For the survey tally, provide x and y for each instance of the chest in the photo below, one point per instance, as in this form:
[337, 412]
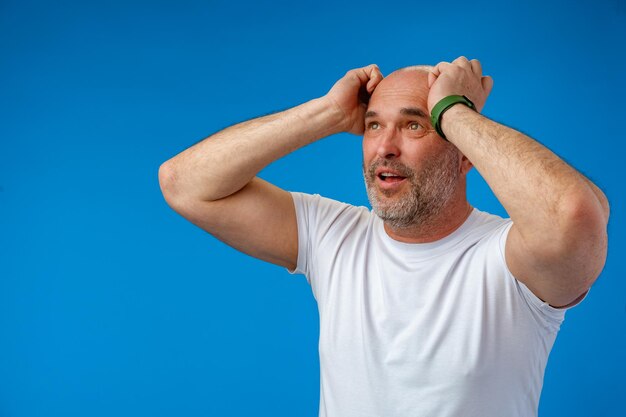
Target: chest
[454, 318]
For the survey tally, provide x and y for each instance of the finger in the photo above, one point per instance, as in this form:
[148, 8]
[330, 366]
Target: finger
[476, 67]
[370, 69]
[363, 73]
[463, 63]
[431, 79]
[375, 77]
[487, 83]
[368, 77]
[440, 67]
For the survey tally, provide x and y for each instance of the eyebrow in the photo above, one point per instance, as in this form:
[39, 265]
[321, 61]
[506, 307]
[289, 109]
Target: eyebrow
[413, 111]
[407, 111]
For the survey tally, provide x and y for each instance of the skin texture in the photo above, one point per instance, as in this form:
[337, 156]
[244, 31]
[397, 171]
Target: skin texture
[557, 245]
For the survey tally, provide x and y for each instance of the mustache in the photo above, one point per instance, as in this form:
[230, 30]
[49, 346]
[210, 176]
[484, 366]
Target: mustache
[402, 169]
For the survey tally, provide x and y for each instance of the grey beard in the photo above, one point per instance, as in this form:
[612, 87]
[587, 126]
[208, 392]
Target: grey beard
[430, 190]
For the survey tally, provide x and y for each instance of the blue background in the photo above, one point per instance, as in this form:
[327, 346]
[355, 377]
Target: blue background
[112, 304]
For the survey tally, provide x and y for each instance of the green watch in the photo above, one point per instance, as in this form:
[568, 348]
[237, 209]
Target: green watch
[443, 105]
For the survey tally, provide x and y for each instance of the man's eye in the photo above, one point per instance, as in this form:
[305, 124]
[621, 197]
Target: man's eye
[374, 125]
[414, 126]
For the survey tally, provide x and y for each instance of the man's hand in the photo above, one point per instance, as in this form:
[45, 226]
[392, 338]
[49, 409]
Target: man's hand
[461, 77]
[351, 94]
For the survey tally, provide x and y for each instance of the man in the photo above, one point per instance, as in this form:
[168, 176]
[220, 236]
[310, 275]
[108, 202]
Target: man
[428, 307]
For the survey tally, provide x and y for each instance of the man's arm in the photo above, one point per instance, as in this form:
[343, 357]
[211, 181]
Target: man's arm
[558, 243]
[213, 183]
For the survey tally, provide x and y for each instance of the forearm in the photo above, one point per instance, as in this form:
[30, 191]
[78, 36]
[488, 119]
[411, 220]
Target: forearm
[225, 162]
[539, 190]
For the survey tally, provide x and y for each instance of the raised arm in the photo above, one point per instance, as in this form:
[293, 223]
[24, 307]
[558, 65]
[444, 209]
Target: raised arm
[213, 183]
[558, 243]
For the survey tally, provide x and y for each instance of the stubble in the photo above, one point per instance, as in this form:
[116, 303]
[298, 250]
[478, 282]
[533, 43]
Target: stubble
[430, 189]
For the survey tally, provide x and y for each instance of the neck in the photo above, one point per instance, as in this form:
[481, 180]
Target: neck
[449, 220]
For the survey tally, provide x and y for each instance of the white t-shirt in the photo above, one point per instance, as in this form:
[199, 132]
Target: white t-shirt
[436, 329]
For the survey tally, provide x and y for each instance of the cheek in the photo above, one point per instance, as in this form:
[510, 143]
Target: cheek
[369, 150]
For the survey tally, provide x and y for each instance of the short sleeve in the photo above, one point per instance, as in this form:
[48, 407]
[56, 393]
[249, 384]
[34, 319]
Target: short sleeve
[317, 219]
[323, 224]
[305, 215]
[548, 316]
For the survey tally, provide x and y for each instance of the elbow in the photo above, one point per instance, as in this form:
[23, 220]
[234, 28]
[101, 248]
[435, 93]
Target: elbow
[584, 235]
[604, 204]
[585, 215]
[165, 178]
[167, 183]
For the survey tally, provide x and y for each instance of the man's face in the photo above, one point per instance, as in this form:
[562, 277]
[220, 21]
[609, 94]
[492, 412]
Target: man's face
[410, 172]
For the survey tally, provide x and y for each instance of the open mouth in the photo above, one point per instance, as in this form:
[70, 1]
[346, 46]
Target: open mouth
[390, 178]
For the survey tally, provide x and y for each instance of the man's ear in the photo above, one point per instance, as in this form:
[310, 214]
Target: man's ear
[466, 164]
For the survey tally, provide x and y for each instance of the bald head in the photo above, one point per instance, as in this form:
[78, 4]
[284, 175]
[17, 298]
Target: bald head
[407, 85]
[416, 75]
[423, 68]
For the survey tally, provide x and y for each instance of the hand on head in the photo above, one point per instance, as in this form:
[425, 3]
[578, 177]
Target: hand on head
[351, 94]
[460, 77]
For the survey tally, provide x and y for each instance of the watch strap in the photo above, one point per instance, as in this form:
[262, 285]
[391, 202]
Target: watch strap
[443, 105]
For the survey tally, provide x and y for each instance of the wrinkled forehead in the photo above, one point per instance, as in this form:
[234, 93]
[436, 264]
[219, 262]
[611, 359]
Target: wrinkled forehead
[400, 88]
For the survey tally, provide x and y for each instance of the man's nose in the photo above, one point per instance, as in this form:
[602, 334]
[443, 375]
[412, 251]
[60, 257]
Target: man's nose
[388, 144]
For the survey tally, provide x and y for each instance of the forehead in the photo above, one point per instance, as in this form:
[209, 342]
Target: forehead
[400, 90]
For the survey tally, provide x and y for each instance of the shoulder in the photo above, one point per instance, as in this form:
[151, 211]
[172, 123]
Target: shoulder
[325, 227]
[326, 217]
[325, 208]
[321, 202]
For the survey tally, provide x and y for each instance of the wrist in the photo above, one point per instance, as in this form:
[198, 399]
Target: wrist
[331, 117]
[320, 118]
[454, 113]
